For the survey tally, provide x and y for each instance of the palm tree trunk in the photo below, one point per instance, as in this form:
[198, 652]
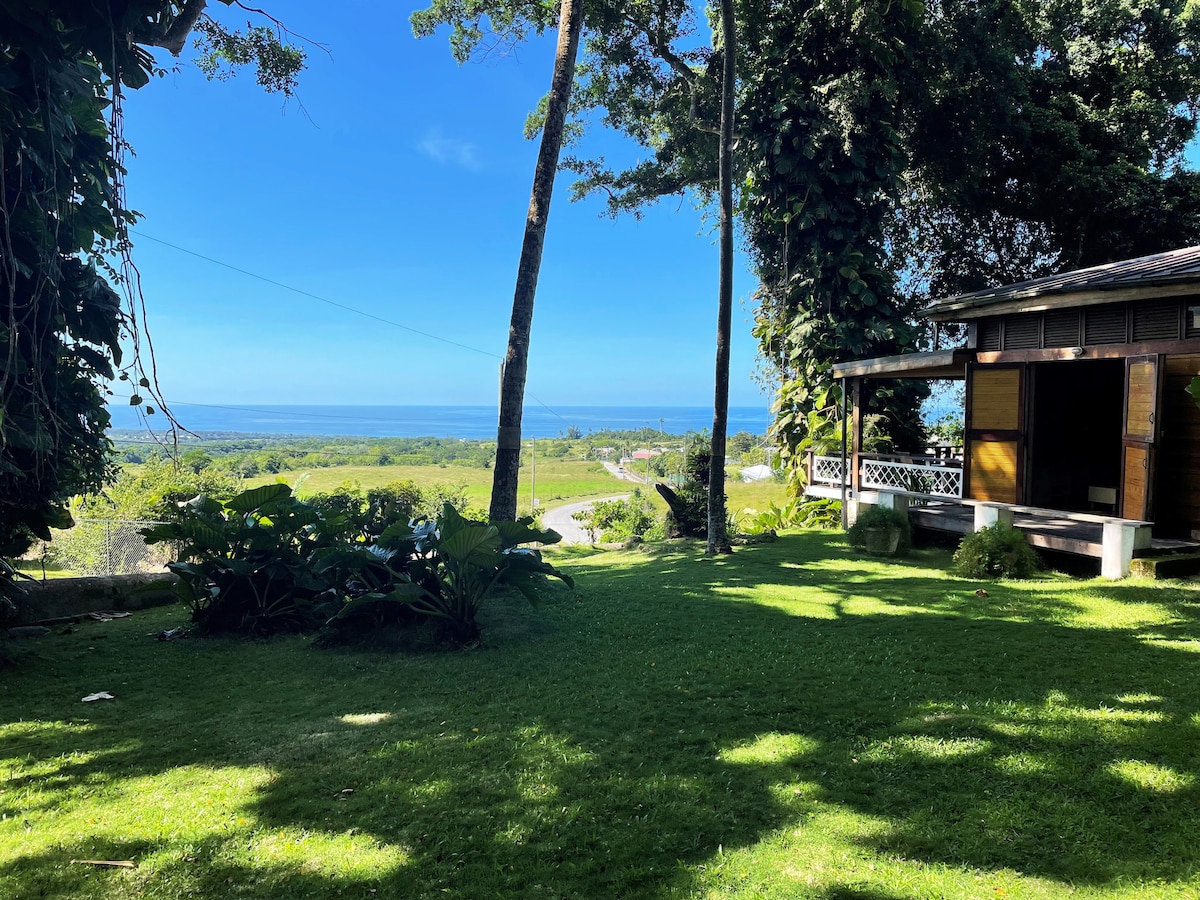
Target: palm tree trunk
[516, 361]
[718, 537]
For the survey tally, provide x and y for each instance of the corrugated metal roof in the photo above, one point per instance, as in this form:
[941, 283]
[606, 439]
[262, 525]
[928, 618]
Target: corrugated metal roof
[1172, 267]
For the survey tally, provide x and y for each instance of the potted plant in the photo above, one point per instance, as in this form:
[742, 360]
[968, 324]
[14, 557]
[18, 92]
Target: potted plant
[881, 531]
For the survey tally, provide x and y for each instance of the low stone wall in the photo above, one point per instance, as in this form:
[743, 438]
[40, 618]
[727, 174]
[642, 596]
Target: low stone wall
[60, 598]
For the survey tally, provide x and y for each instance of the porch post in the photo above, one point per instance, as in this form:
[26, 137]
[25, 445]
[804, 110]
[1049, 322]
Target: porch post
[845, 511]
[858, 429]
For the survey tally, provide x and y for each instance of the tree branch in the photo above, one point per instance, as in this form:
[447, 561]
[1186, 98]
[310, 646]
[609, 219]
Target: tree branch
[177, 34]
[661, 48]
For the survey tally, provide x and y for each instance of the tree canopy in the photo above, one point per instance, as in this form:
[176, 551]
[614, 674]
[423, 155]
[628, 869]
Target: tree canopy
[894, 151]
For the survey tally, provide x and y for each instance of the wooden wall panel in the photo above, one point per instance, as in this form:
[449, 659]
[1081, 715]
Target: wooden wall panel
[1177, 505]
[994, 471]
[1133, 502]
[1143, 387]
[995, 399]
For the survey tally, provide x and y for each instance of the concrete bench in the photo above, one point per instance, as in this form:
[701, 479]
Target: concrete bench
[1120, 538]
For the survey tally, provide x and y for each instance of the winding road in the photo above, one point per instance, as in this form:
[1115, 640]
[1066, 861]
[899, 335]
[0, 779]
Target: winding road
[560, 520]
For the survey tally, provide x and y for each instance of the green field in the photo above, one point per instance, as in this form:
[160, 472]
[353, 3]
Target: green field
[793, 721]
[558, 482]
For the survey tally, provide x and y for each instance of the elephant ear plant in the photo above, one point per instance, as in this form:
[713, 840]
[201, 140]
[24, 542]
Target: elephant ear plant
[244, 563]
[443, 570]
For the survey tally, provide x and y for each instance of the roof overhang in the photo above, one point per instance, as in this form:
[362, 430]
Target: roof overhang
[967, 309]
[932, 364]
[1167, 274]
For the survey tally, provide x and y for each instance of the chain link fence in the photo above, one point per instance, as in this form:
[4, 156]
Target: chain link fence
[99, 547]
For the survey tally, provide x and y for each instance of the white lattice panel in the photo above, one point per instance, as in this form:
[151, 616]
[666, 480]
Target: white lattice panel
[911, 478]
[828, 470]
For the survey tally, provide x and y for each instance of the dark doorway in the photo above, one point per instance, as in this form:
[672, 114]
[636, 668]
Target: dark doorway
[1074, 460]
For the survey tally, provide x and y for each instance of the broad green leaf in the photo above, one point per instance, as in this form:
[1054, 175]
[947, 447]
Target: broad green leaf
[473, 543]
[522, 532]
[248, 501]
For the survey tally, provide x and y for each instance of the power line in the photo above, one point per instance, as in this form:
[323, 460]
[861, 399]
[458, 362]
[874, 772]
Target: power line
[317, 297]
[276, 412]
[334, 303]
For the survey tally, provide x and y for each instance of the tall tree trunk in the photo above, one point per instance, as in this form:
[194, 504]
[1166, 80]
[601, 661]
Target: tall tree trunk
[516, 361]
[718, 537]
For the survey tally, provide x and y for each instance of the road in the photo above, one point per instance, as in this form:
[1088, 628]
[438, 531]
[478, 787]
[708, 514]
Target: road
[625, 475]
[560, 520]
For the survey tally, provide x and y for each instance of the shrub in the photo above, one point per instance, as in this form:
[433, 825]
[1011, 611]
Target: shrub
[688, 516]
[156, 491]
[245, 562]
[442, 570]
[617, 520]
[880, 517]
[819, 512]
[264, 562]
[801, 512]
[689, 509]
[998, 551]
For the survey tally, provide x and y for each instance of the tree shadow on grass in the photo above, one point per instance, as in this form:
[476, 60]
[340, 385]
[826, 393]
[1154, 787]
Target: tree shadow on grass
[659, 718]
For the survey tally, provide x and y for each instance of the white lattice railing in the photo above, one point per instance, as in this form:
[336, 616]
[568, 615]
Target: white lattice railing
[906, 475]
[933, 479]
[827, 470]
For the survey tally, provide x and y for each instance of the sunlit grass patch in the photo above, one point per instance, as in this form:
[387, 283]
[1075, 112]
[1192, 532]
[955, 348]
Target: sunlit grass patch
[364, 718]
[925, 749]
[770, 749]
[344, 855]
[1152, 777]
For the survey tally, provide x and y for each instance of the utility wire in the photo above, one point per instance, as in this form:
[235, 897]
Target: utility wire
[334, 303]
[317, 297]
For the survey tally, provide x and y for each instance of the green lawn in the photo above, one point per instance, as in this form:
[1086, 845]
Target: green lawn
[793, 721]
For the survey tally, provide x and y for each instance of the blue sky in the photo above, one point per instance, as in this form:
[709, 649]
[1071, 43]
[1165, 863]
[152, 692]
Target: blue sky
[398, 184]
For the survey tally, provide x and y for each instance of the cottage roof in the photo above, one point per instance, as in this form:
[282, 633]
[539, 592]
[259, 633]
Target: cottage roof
[1161, 274]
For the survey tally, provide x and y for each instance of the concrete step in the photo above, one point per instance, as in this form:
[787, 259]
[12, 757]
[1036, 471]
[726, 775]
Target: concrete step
[1176, 565]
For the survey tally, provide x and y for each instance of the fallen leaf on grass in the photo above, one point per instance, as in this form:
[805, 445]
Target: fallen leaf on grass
[99, 695]
[119, 863]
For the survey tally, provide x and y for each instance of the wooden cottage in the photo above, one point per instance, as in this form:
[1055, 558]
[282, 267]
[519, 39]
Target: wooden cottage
[1078, 425]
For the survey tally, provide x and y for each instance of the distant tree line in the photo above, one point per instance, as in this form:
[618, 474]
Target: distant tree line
[249, 457]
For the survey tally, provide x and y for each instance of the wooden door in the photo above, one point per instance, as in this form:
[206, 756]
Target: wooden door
[995, 435]
[1143, 389]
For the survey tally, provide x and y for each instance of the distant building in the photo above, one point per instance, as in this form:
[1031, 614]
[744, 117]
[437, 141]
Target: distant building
[757, 473]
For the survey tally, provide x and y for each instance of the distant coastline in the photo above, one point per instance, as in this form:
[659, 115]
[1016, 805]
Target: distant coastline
[466, 422]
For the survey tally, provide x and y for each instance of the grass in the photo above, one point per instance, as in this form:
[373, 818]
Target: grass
[792, 721]
[557, 480]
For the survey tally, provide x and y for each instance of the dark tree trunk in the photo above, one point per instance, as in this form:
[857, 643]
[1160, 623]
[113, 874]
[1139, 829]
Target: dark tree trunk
[718, 537]
[516, 361]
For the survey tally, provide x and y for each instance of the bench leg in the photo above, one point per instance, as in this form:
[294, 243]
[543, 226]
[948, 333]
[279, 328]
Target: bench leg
[1119, 541]
[986, 515]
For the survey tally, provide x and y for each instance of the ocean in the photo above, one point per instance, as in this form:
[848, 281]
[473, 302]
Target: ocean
[470, 422]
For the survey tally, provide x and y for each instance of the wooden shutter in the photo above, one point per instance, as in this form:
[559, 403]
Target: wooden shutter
[1142, 392]
[995, 432]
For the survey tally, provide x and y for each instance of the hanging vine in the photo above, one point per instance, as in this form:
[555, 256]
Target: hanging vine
[64, 241]
[822, 112]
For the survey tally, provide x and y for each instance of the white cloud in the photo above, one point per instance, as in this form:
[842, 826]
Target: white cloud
[449, 151]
